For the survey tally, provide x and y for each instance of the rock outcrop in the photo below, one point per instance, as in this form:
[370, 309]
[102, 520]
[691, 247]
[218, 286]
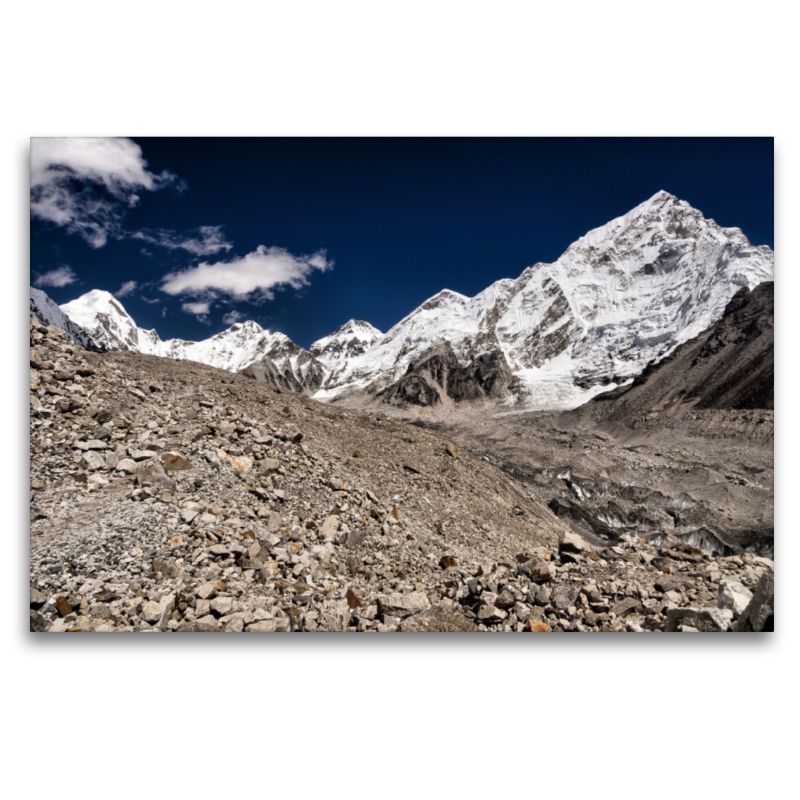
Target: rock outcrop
[437, 376]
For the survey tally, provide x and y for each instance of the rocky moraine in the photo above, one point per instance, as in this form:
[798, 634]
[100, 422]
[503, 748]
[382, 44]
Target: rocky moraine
[170, 496]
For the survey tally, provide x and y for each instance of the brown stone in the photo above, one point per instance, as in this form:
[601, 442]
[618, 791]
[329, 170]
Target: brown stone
[395, 513]
[358, 454]
[445, 562]
[537, 626]
[451, 451]
[544, 571]
[173, 461]
[352, 599]
[63, 607]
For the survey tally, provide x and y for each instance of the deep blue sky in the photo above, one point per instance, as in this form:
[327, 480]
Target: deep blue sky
[400, 218]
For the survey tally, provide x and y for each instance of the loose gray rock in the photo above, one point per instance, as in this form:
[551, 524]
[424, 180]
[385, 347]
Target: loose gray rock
[759, 616]
[565, 596]
[403, 605]
[733, 595]
[705, 620]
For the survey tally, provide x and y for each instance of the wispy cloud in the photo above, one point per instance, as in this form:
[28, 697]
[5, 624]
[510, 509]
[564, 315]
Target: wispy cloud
[207, 240]
[196, 308]
[232, 317]
[163, 312]
[152, 301]
[254, 275]
[63, 276]
[86, 185]
[127, 288]
[200, 310]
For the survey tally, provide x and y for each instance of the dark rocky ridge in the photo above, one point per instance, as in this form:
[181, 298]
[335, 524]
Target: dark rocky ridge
[728, 367]
[294, 369]
[437, 376]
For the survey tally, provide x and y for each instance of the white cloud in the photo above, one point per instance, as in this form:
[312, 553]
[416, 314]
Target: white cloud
[152, 302]
[257, 273]
[198, 309]
[163, 312]
[63, 276]
[127, 288]
[232, 317]
[86, 184]
[208, 240]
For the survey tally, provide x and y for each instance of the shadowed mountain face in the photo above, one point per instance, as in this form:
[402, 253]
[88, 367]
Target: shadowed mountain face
[437, 376]
[728, 367]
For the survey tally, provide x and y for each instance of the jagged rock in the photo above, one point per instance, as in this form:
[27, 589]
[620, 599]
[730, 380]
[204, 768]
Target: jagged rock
[542, 596]
[38, 623]
[759, 615]
[543, 571]
[564, 596]
[403, 605]
[733, 595]
[174, 462]
[572, 543]
[626, 606]
[490, 614]
[38, 599]
[93, 461]
[703, 619]
[151, 612]
[222, 605]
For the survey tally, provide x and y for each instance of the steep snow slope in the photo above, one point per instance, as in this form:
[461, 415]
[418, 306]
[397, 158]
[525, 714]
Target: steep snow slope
[336, 350]
[622, 296]
[105, 318]
[47, 312]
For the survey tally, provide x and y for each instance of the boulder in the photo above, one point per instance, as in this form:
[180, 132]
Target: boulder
[565, 596]
[403, 605]
[174, 462]
[733, 595]
[572, 543]
[759, 616]
[544, 571]
[705, 620]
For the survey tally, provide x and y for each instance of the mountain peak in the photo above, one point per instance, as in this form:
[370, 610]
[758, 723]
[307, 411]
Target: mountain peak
[247, 327]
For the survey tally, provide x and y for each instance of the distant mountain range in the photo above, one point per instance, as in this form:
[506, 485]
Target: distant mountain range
[622, 297]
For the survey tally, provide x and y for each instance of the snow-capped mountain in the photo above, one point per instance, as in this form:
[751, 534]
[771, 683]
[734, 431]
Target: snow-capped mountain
[336, 350]
[47, 312]
[622, 296]
[233, 349]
